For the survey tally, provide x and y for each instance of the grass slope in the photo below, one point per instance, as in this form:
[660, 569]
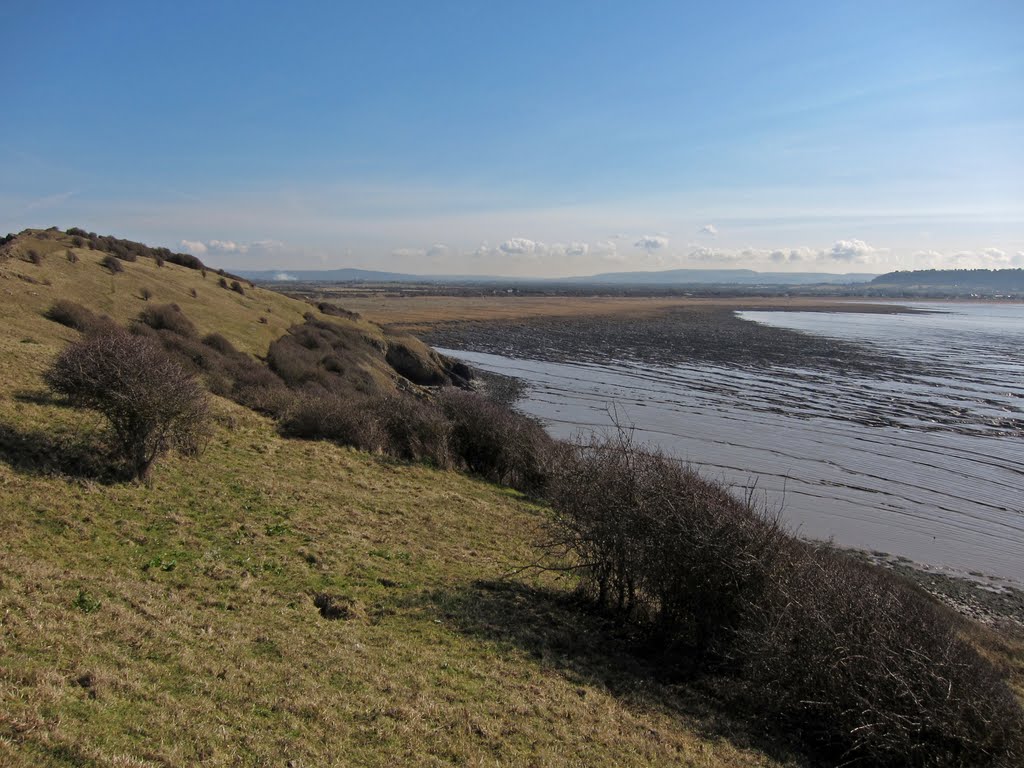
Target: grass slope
[175, 624]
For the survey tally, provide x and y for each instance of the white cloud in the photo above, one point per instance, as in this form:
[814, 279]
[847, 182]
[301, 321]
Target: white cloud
[791, 256]
[227, 246]
[652, 242]
[195, 247]
[709, 229]
[438, 251]
[284, 277]
[852, 251]
[212, 247]
[577, 249]
[520, 246]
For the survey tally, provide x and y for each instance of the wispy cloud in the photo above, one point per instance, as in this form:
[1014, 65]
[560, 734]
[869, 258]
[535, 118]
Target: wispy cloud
[201, 247]
[195, 247]
[709, 229]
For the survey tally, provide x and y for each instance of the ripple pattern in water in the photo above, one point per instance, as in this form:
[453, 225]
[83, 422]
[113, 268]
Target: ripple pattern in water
[926, 466]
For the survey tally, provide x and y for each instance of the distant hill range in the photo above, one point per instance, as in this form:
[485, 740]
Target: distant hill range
[980, 280]
[665, 277]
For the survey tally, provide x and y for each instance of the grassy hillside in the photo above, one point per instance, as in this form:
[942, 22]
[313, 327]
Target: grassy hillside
[282, 602]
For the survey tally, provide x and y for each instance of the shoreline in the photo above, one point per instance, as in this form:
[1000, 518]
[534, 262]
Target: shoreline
[714, 335]
[986, 599]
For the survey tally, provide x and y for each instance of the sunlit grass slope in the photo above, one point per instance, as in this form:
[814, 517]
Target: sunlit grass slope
[177, 624]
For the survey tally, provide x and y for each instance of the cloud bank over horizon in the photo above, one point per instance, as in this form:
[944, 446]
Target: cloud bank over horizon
[521, 256]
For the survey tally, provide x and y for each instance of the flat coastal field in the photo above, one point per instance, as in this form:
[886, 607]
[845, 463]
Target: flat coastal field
[420, 313]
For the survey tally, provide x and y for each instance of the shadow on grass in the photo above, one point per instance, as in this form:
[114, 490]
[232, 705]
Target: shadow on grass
[38, 397]
[564, 632]
[40, 453]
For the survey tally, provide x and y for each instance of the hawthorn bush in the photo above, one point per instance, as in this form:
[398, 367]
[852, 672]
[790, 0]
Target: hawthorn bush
[862, 667]
[150, 401]
[497, 443]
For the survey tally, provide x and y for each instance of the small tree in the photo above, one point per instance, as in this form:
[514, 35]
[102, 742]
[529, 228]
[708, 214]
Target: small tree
[151, 402]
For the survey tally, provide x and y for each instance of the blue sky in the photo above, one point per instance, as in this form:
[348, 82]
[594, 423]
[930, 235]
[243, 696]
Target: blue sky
[523, 138]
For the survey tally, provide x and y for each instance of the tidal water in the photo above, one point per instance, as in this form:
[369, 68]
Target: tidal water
[926, 465]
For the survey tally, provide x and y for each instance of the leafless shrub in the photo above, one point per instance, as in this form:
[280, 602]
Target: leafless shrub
[146, 294]
[414, 430]
[333, 309]
[152, 404]
[492, 440]
[345, 420]
[866, 669]
[869, 669]
[80, 318]
[194, 293]
[220, 343]
[167, 317]
[656, 542]
[112, 263]
[237, 288]
[34, 257]
[71, 256]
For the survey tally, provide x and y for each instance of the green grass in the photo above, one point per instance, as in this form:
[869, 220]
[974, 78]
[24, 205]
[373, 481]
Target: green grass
[175, 624]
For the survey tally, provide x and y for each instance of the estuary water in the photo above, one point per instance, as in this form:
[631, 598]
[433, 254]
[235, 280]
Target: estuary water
[924, 463]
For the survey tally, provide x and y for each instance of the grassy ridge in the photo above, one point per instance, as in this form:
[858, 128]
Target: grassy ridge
[176, 624]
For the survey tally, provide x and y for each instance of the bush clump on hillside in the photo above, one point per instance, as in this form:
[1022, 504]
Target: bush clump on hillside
[866, 667]
[150, 401]
[344, 420]
[334, 310]
[414, 430]
[862, 667]
[112, 263]
[82, 319]
[168, 317]
[497, 443]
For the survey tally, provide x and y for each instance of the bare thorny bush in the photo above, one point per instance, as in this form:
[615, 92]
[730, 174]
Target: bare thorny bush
[862, 667]
[150, 401]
